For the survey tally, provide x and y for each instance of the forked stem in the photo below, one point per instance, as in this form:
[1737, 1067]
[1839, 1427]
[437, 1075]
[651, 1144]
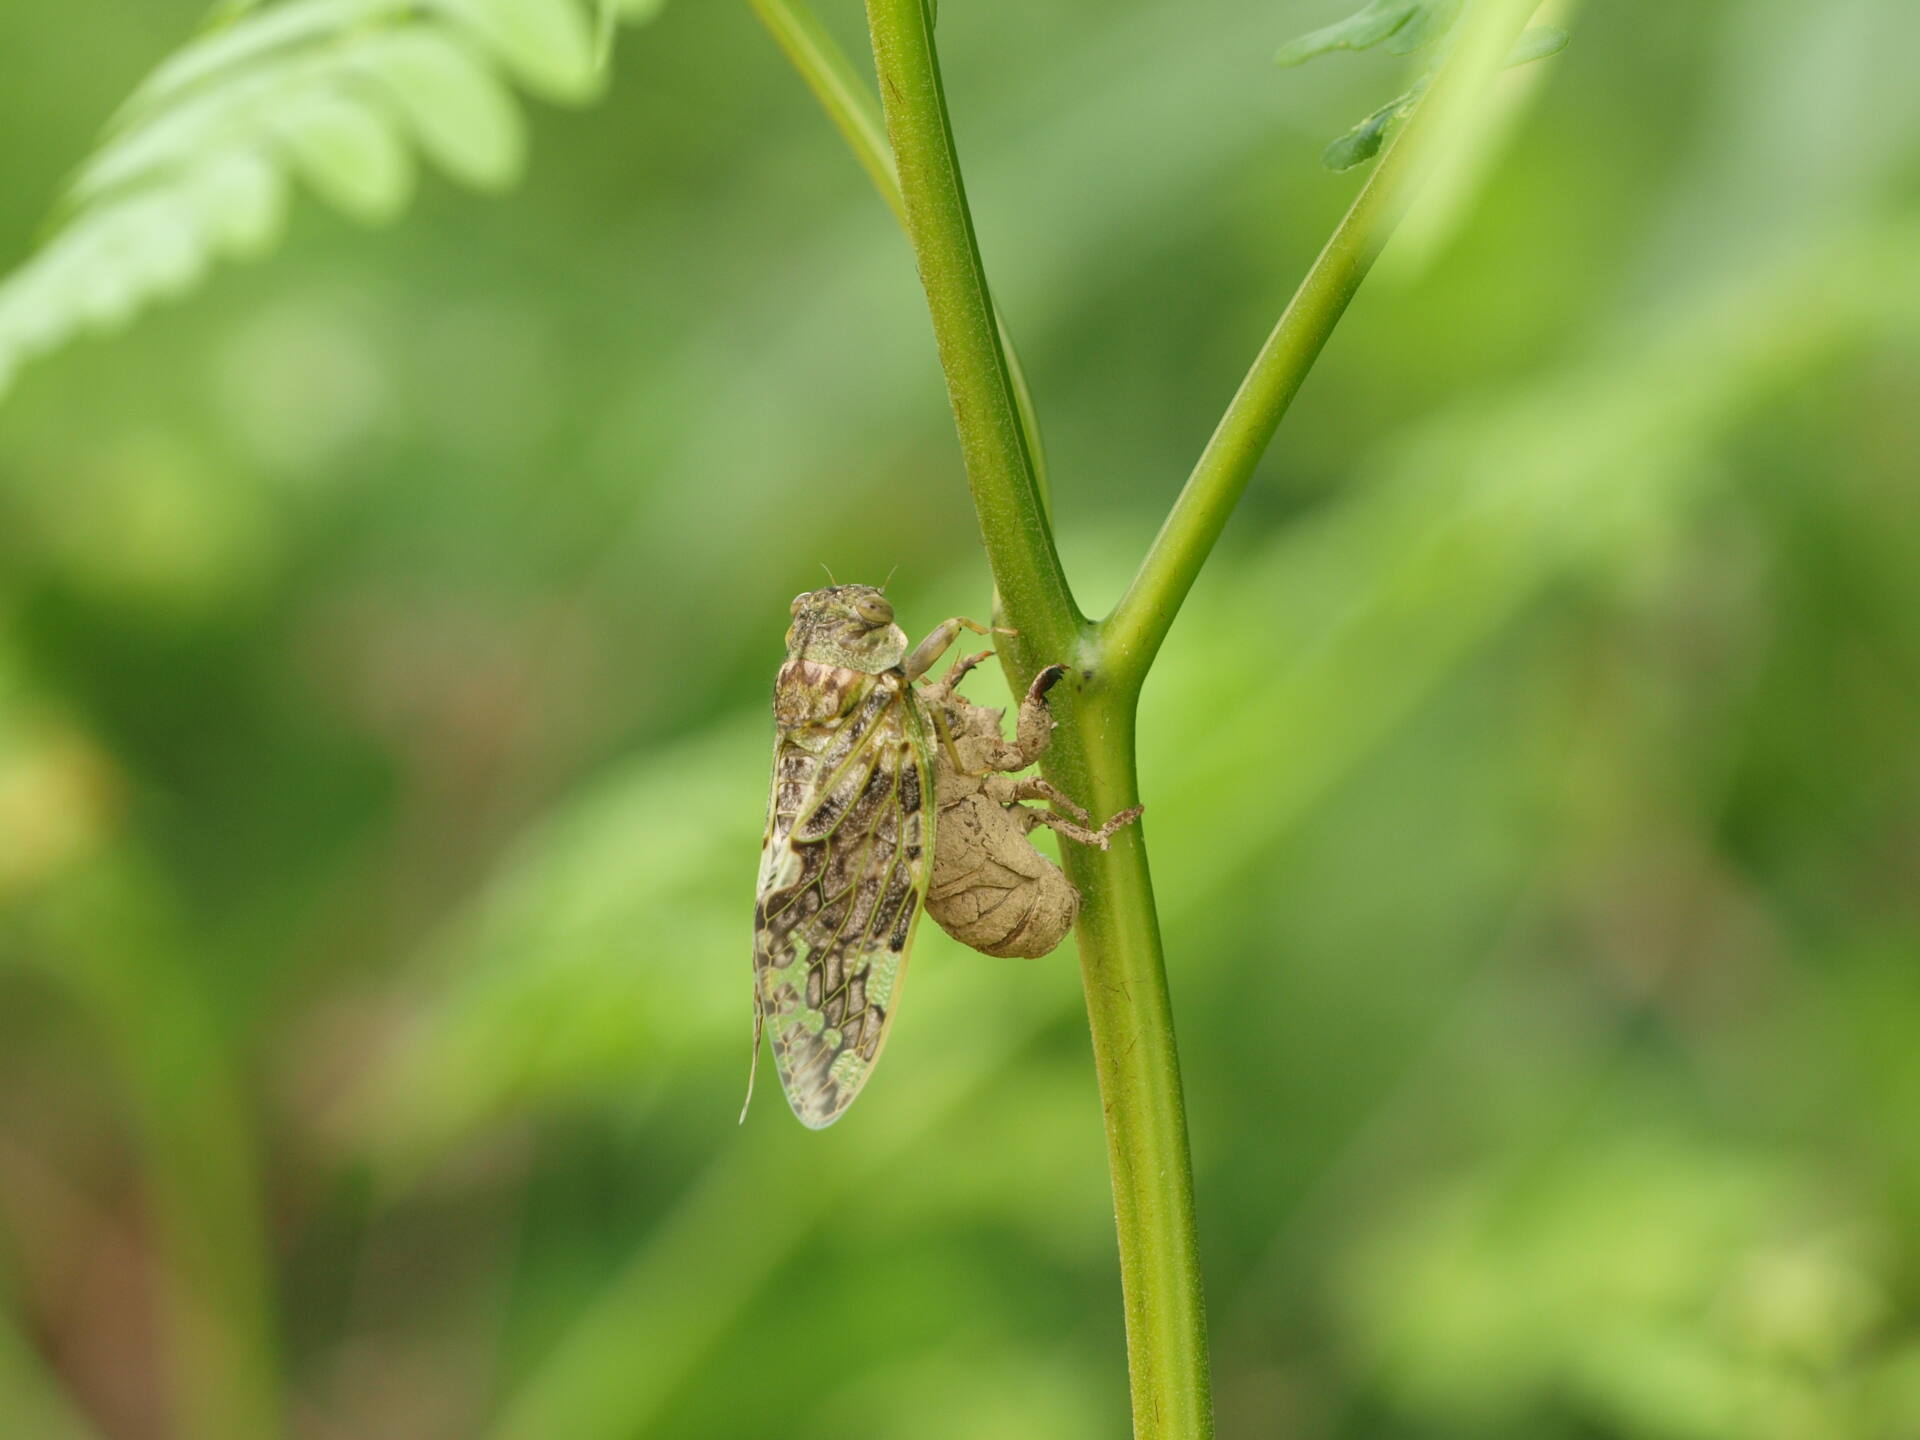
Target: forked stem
[1123, 970]
[1001, 471]
[850, 104]
[1132, 635]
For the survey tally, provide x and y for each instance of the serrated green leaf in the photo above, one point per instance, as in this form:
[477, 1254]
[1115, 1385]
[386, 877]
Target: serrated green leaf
[194, 165]
[547, 43]
[33, 313]
[611, 14]
[160, 244]
[1434, 20]
[180, 134]
[1537, 44]
[235, 45]
[29, 325]
[350, 155]
[241, 201]
[105, 297]
[59, 282]
[1363, 142]
[465, 118]
[1359, 31]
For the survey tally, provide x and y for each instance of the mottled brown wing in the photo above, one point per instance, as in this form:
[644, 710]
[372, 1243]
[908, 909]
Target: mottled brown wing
[843, 871]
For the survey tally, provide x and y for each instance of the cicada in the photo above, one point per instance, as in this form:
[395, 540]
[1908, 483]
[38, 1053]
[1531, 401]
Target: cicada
[887, 800]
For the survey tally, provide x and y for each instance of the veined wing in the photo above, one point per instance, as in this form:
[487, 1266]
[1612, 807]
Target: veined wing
[843, 872]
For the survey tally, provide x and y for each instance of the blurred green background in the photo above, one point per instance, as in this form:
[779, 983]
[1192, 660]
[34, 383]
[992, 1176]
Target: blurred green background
[1533, 780]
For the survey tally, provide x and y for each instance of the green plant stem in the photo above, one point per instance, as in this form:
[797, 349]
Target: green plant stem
[123, 955]
[1001, 469]
[1123, 971]
[1133, 634]
[850, 104]
[842, 93]
[1130, 1017]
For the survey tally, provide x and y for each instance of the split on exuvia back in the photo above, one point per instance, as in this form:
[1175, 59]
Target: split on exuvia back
[888, 798]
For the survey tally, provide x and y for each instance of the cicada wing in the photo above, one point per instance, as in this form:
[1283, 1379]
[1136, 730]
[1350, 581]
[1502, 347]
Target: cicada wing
[843, 872]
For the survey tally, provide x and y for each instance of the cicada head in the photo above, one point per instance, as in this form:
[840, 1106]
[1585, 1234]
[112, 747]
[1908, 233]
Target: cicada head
[850, 626]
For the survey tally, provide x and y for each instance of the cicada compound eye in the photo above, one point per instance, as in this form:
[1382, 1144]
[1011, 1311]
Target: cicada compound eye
[874, 609]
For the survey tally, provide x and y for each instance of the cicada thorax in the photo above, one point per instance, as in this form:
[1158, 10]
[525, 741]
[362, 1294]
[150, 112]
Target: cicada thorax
[808, 692]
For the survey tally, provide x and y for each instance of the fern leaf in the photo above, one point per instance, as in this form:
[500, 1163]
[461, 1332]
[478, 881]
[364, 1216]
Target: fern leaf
[351, 154]
[345, 96]
[548, 44]
[1359, 31]
[1401, 27]
[463, 115]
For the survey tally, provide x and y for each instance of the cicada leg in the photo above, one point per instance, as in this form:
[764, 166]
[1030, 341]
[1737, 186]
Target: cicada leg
[1034, 730]
[1008, 790]
[1079, 833]
[960, 669]
[929, 650]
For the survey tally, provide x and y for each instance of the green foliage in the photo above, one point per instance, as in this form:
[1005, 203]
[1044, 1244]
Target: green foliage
[1363, 142]
[1532, 780]
[1538, 43]
[1449, 539]
[1402, 27]
[338, 94]
[1652, 1284]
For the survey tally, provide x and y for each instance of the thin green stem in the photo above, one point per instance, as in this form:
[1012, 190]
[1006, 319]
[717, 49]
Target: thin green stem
[122, 952]
[850, 104]
[1001, 469]
[842, 93]
[1133, 634]
[1130, 1017]
[1123, 971]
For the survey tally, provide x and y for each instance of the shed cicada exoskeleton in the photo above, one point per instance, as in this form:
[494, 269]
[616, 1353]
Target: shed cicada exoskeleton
[887, 798]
